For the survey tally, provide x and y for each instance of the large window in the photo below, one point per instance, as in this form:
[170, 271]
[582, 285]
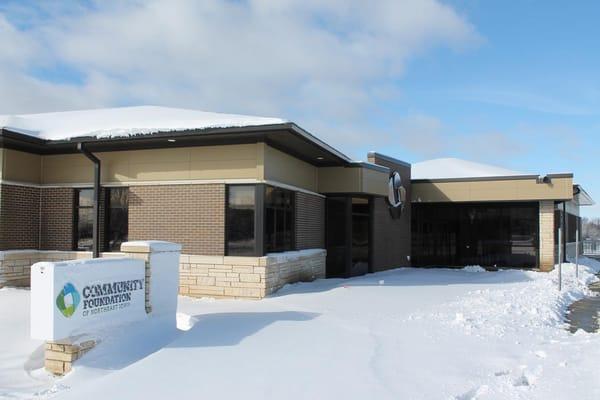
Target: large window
[487, 234]
[241, 201]
[117, 218]
[259, 220]
[279, 219]
[84, 219]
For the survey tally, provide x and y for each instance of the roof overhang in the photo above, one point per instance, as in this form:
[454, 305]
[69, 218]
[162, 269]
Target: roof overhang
[557, 187]
[581, 197]
[287, 137]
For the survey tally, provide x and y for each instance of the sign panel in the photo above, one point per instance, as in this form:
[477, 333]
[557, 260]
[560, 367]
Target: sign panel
[75, 297]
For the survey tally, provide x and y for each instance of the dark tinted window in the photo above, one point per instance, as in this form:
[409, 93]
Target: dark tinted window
[279, 219]
[84, 219]
[241, 201]
[117, 217]
[502, 235]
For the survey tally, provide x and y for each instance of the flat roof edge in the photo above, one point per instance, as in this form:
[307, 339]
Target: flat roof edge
[488, 178]
[368, 165]
[375, 154]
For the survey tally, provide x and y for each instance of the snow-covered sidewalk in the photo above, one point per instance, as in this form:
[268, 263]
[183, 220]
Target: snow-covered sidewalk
[402, 334]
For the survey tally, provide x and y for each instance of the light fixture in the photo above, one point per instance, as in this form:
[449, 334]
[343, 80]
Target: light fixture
[320, 158]
[171, 140]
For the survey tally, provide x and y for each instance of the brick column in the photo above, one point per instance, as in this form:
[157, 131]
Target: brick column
[546, 247]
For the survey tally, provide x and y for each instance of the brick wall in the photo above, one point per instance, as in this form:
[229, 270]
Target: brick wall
[310, 221]
[19, 217]
[192, 215]
[57, 219]
[546, 235]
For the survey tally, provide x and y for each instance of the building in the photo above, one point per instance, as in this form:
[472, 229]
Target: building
[466, 213]
[256, 202]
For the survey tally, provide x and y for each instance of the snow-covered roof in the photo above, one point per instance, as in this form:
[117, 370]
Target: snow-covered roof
[455, 168]
[124, 121]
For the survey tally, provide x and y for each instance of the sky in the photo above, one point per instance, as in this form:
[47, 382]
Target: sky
[514, 84]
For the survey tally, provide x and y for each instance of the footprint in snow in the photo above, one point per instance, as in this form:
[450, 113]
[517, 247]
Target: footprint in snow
[473, 394]
[541, 354]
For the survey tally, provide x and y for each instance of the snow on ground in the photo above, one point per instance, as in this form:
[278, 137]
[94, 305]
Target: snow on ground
[124, 121]
[402, 334]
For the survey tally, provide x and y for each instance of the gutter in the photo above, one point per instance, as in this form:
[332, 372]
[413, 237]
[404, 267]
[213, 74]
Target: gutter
[96, 225]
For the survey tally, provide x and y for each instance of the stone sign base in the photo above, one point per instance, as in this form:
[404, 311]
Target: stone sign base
[60, 356]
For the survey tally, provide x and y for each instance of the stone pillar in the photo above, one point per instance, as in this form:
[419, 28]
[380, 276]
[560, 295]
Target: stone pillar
[162, 274]
[546, 235]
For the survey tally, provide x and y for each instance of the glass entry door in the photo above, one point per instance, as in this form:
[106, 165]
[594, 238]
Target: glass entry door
[348, 221]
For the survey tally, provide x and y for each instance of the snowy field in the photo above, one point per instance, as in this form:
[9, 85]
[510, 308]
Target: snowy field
[401, 334]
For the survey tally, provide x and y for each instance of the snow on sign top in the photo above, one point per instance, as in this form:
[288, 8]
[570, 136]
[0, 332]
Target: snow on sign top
[123, 122]
[455, 168]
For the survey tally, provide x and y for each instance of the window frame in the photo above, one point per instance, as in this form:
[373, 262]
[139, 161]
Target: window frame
[258, 219]
[260, 214]
[76, 207]
[287, 224]
[107, 216]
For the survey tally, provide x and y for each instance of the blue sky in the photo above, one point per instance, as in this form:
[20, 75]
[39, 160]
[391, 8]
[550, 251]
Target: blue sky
[514, 84]
[533, 81]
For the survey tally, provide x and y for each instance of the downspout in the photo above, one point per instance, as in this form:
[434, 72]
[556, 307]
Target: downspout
[96, 224]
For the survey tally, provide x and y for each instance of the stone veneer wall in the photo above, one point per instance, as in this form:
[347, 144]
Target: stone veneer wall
[248, 277]
[15, 265]
[191, 215]
[546, 246]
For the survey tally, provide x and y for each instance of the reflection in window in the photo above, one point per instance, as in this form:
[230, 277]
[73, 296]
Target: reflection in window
[279, 219]
[241, 200]
[117, 217]
[84, 219]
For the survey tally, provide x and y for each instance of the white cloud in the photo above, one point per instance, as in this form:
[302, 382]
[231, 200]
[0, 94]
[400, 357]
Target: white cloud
[311, 61]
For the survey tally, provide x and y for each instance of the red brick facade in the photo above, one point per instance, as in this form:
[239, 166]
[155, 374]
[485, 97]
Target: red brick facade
[193, 215]
[19, 217]
[57, 219]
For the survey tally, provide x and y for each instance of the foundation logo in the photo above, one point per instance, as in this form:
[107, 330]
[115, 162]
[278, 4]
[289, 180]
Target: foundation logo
[396, 194]
[68, 299]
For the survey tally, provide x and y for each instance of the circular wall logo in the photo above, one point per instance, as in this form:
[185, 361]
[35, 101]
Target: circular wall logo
[396, 192]
[68, 299]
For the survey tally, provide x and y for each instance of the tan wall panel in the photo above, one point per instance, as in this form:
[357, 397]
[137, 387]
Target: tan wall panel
[499, 190]
[284, 168]
[339, 180]
[21, 167]
[66, 168]
[1, 162]
[207, 162]
[375, 182]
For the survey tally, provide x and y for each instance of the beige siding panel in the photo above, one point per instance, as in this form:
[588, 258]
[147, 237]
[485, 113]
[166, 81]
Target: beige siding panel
[21, 167]
[375, 182]
[339, 180]
[559, 189]
[281, 167]
[67, 168]
[206, 162]
[353, 180]
[224, 169]
[158, 171]
[493, 190]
